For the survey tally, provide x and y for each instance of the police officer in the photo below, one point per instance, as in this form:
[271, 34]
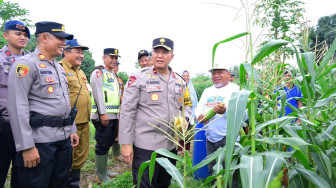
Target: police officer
[78, 87]
[144, 58]
[39, 111]
[105, 109]
[153, 93]
[116, 145]
[17, 36]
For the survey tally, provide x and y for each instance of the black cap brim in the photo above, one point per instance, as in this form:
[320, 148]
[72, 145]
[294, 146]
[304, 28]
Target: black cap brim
[82, 47]
[163, 46]
[63, 35]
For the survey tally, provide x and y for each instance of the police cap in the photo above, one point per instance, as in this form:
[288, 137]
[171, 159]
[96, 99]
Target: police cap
[142, 53]
[74, 44]
[54, 28]
[163, 42]
[17, 26]
[111, 51]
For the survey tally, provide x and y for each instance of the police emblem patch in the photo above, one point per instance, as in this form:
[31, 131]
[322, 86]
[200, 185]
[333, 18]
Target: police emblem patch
[22, 70]
[42, 65]
[131, 80]
[50, 79]
[155, 97]
[50, 89]
[98, 74]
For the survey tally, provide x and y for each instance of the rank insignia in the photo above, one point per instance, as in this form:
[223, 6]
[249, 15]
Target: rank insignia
[50, 89]
[22, 70]
[155, 71]
[155, 97]
[98, 74]
[8, 53]
[42, 65]
[131, 80]
[151, 77]
[42, 57]
[49, 79]
[162, 40]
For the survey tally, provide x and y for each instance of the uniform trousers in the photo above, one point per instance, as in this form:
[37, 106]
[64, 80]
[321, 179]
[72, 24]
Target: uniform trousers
[54, 167]
[105, 135]
[7, 148]
[161, 178]
[81, 152]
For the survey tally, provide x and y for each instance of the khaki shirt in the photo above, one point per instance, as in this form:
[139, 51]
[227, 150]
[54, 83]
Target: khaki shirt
[98, 95]
[76, 78]
[37, 85]
[121, 87]
[149, 97]
[6, 61]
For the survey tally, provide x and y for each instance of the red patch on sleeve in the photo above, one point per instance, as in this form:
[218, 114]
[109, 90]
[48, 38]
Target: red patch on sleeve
[131, 80]
[98, 74]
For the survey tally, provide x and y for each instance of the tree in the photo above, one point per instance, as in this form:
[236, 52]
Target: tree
[123, 76]
[88, 64]
[325, 30]
[10, 11]
[201, 82]
[282, 18]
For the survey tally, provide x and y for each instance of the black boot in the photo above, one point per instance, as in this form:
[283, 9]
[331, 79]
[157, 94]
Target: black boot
[74, 178]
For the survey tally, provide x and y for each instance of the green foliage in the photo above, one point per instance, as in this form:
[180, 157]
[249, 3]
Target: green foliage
[121, 181]
[88, 64]
[283, 19]
[201, 82]
[123, 76]
[10, 11]
[325, 30]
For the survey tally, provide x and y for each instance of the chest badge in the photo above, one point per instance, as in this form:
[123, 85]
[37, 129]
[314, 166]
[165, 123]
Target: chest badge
[50, 89]
[155, 97]
[49, 79]
[42, 65]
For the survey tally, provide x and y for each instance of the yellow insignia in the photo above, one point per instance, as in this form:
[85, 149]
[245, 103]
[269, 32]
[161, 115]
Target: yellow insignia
[41, 57]
[50, 89]
[22, 70]
[162, 40]
[155, 97]
[42, 65]
[115, 51]
[62, 29]
[142, 52]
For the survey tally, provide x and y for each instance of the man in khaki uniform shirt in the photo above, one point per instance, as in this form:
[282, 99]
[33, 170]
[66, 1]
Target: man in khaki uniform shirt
[154, 93]
[72, 58]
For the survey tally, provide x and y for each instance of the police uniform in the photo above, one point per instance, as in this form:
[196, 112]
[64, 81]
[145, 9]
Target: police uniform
[105, 100]
[149, 97]
[78, 87]
[7, 146]
[39, 109]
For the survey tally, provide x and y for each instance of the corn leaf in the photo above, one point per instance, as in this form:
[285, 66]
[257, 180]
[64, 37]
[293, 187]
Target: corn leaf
[251, 168]
[172, 170]
[267, 49]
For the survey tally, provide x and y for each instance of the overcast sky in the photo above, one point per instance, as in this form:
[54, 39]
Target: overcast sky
[131, 25]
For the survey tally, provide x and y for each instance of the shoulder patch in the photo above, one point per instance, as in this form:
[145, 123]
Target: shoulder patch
[22, 70]
[131, 80]
[42, 57]
[99, 73]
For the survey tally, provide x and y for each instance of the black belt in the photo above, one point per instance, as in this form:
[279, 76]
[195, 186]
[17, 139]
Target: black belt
[38, 120]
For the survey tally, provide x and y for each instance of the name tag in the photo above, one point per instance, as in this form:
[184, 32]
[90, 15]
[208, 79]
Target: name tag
[70, 74]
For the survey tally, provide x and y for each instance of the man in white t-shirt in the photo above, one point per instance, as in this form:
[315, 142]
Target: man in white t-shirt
[213, 97]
